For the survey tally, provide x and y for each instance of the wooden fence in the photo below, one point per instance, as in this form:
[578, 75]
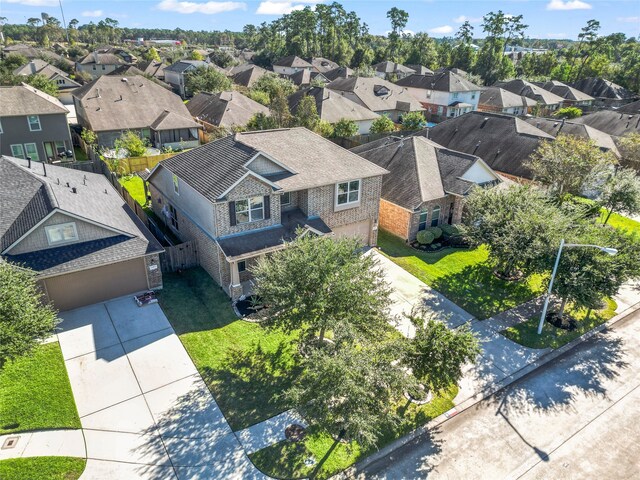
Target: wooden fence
[179, 257]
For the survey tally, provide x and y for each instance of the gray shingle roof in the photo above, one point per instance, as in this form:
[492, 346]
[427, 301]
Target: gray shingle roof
[555, 127]
[441, 80]
[331, 106]
[528, 89]
[602, 88]
[612, 122]
[565, 91]
[340, 72]
[420, 69]
[391, 67]
[633, 107]
[41, 67]
[182, 65]
[322, 65]
[224, 109]
[504, 142]
[25, 100]
[365, 89]
[501, 98]
[248, 76]
[292, 61]
[102, 59]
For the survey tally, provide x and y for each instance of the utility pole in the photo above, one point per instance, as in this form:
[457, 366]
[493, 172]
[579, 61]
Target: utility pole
[64, 23]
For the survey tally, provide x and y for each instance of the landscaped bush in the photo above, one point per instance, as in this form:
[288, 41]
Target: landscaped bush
[425, 237]
[449, 230]
[437, 232]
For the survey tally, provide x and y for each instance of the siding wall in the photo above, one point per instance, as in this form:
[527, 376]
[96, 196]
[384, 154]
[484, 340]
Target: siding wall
[15, 130]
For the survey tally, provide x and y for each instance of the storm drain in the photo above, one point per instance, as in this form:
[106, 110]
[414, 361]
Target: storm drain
[10, 442]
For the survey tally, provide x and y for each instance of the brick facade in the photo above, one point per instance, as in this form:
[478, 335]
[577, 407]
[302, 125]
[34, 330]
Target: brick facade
[394, 219]
[154, 275]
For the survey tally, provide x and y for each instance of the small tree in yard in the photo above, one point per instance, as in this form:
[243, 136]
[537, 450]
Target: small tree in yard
[132, 143]
[43, 84]
[382, 124]
[413, 121]
[568, 112]
[204, 79]
[307, 113]
[569, 164]
[629, 146]
[260, 121]
[321, 285]
[344, 128]
[24, 319]
[89, 137]
[621, 193]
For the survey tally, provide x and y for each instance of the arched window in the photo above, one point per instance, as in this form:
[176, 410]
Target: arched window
[424, 218]
[435, 216]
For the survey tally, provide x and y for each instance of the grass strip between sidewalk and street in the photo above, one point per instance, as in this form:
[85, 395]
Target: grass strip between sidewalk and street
[42, 468]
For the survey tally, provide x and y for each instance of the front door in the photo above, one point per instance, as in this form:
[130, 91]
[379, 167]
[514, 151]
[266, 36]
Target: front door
[450, 213]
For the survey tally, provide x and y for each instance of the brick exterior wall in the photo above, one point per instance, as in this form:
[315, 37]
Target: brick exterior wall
[154, 277]
[445, 206]
[394, 219]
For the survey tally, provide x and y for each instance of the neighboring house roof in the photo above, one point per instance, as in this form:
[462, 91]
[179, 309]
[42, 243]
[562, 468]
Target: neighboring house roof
[224, 109]
[27, 100]
[565, 91]
[420, 70]
[26, 50]
[391, 67]
[528, 89]
[292, 61]
[555, 127]
[40, 67]
[442, 81]
[304, 78]
[31, 194]
[310, 160]
[153, 68]
[122, 103]
[501, 98]
[129, 70]
[633, 107]
[340, 72]
[102, 59]
[377, 94]
[322, 65]
[332, 107]
[602, 88]
[612, 122]
[504, 142]
[420, 169]
[248, 76]
[182, 65]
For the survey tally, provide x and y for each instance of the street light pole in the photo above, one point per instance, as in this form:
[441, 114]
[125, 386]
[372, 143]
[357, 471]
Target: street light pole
[608, 250]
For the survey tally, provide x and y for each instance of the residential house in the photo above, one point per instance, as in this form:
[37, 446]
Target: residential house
[426, 184]
[333, 107]
[606, 93]
[444, 94]
[572, 96]
[76, 233]
[420, 70]
[504, 142]
[246, 77]
[612, 122]
[224, 109]
[33, 52]
[556, 127]
[392, 71]
[130, 70]
[340, 72]
[103, 61]
[547, 102]
[633, 107]
[322, 65]
[304, 78]
[243, 196]
[60, 78]
[111, 105]
[378, 95]
[290, 65]
[33, 125]
[175, 73]
[153, 68]
[499, 100]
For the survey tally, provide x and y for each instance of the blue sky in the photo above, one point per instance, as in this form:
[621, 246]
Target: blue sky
[546, 18]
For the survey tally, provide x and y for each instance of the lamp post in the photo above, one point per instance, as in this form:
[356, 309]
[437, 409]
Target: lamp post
[608, 250]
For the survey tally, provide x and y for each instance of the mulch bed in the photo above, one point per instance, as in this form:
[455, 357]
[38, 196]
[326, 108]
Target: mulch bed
[295, 433]
[249, 306]
[565, 322]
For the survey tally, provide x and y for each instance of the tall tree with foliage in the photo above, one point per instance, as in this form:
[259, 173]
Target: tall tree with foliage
[279, 108]
[382, 124]
[42, 83]
[422, 51]
[413, 121]
[629, 146]
[621, 193]
[345, 128]
[307, 113]
[399, 19]
[323, 285]
[463, 55]
[272, 85]
[204, 79]
[492, 65]
[25, 318]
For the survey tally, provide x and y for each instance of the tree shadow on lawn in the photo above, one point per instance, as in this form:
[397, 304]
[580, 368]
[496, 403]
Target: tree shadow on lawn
[249, 383]
[476, 289]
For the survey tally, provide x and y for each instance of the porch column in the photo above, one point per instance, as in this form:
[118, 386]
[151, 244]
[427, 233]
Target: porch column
[235, 289]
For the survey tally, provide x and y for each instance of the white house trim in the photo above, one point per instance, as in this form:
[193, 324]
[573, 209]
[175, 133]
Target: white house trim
[243, 177]
[270, 158]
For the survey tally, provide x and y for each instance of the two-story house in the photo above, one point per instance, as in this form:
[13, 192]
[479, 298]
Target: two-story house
[547, 102]
[33, 125]
[572, 96]
[443, 94]
[60, 78]
[499, 100]
[175, 74]
[604, 92]
[103, 61]
[76, 233]
[245, 195]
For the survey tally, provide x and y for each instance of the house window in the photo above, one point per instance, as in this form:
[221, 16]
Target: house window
[286, 198]
[63, 233]
[32, 151]
[440, 109]
[176, 187]
[348, 192]
[424, 217]
[473, 96]
[242, 266]
[104, 67]
[174, 217]
[435, 216]
[455, 95]
[34, 123]
[94, 67]
[250, 210]
[17, 151]
[60, 81]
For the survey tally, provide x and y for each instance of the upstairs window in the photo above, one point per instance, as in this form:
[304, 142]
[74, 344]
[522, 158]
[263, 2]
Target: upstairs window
[249, 210]
[63, 233]
[34, 123]
[348, 192]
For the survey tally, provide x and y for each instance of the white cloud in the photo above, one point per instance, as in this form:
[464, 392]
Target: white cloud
[282, 8]
[92, 13]
[35, 3]
[629, 19]
[464, 18]
[568, 5]
[442, 29]
[207, 8]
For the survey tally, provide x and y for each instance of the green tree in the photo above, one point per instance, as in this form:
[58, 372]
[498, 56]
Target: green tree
[196, 55]
[463, 56]
[307, 113]
[132, 143]
[43, 84]
[422, 51]
[204, 79]
[323, 285]
[89, 137]
[568, 112]
[492, 65]
[272, 84]
[569, 164]
[279, 109]
[399, 19]
[382, 124]
[621, 193]
[325, 129]
[629, 146]
[345, 128]
[152, 55]
[413, 121]
[261, 121]
[25, 317]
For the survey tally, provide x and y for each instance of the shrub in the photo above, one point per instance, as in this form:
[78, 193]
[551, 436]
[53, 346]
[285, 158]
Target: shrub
[449, 231]
[425, 237]
[437, 232]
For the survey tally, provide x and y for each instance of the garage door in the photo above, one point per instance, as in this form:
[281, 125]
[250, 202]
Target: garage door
[359, 229]
[97, 284]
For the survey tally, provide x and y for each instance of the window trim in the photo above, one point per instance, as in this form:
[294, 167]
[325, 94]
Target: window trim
[39, 129]
[22, 155]
[27, 154]
[176, 185]
[437, 219]
[173, 212]
[242, 266]
[249, 210]
[53, 243]
[347, 204]
[282, 201]
[422, 225]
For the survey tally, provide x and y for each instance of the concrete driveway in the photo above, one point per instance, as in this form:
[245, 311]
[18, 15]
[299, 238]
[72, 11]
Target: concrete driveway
[145, 411]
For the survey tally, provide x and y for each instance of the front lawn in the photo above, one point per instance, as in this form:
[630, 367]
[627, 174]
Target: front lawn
[621, 223]
[35, 393]
[42, 468]
[461, 275]
[526, 333]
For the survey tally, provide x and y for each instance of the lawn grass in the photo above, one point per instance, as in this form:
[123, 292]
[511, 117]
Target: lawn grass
[135, 187]
[286, 459]
[461, 275]
[42, 468]
[80, 154]
[621, 223]
[245, 365]
[35, 392]
[526, 333]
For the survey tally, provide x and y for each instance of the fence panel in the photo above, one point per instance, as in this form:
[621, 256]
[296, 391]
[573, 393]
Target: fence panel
[179, 257]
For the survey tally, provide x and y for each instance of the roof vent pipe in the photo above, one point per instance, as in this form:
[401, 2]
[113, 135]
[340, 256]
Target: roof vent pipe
[74, 190]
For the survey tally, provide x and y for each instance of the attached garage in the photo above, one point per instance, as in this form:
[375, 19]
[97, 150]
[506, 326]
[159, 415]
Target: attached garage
[358, 229]
[94, 285]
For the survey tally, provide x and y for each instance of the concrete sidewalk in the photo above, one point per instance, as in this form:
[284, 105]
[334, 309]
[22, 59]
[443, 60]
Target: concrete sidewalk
[44, 443]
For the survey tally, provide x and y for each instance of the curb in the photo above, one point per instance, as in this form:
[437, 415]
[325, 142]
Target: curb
[386, 451]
